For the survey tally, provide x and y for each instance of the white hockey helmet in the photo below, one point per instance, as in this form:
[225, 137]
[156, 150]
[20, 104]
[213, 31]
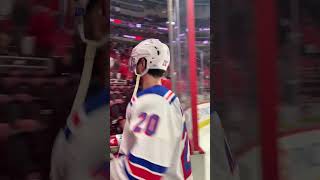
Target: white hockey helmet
[155, 52]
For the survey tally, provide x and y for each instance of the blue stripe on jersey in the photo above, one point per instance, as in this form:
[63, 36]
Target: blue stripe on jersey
[149, 165]
[217, 118]
[67, 132]
[157, 89]
[171, 101]
[231, 161]
[96, 101]
[128, 174]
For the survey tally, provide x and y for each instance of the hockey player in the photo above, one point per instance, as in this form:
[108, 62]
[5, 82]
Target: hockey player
[225, 166]
[79, 151]
[80, 148]
[155, 142]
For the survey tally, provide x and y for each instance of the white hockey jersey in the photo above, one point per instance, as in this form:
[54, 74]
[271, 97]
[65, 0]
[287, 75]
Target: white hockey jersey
[155, 143]
[224, 167]
[80, 149]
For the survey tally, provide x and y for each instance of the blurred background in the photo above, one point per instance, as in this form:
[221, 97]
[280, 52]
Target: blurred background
[241, 41]
[41, 59]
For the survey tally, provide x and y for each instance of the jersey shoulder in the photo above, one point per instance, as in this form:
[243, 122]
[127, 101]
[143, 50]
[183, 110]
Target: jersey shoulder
[155, 93]
[89, 110]
[96, 101]
[91, 113]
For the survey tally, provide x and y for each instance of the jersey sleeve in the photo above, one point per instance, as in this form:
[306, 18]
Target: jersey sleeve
[156, 137]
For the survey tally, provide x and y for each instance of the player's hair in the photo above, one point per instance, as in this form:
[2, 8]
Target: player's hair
[156, 73]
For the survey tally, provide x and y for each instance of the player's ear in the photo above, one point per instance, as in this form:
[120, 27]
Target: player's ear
[142, 64]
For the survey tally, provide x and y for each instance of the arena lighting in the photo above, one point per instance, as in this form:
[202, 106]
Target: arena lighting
[119, 21]
[137, 38]
[147, 19]
[204, 29]
[130, 37]
[172, 23]
[162, 28]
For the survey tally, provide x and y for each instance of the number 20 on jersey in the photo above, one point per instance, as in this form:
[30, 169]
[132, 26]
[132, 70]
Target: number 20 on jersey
[147, 124]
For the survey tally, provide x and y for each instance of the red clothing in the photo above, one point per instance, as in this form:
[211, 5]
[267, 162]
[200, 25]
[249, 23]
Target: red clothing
[124, 70]
[43, 26]
[166, 83]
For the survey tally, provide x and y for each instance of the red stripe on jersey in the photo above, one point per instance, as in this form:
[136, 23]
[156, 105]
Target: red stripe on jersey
[76, 119]
[169, 95]
[137, 171]
[132, 100]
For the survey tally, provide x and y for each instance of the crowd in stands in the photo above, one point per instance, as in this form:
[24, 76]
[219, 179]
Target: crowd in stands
[31, 114]
[121, 86]
[34, 25]
[39, 60]
[143, 33]
[119, 61]
[306, 58]
[148, 20]
[120, 96]
[127, 25]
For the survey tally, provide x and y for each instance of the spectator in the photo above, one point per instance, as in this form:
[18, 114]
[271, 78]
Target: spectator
[42, 25]
[124, 70]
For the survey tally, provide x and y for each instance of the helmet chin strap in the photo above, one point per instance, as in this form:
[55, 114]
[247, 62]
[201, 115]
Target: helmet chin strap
[87, 67]
[136, 87]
